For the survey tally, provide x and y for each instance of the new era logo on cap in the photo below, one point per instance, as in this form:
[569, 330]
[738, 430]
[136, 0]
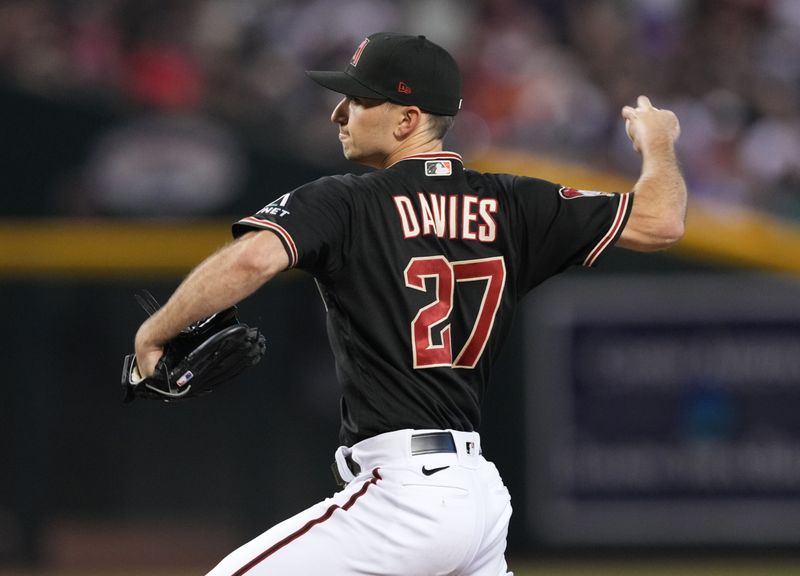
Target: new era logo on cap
[404, 88]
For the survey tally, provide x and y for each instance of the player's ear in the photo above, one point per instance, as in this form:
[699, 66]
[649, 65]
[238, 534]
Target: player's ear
[409, 119]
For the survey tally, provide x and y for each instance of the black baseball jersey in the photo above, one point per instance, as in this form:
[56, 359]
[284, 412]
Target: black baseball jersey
[421, 266]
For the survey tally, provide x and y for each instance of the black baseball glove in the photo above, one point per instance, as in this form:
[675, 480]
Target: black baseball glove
[203, 356]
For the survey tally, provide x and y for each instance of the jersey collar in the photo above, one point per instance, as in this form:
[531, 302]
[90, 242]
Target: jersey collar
[432, 156]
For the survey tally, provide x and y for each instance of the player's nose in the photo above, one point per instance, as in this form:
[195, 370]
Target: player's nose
[339, 114]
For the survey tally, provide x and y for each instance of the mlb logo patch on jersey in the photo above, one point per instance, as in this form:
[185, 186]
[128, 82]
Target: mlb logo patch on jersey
[438, 168]
[568, 193]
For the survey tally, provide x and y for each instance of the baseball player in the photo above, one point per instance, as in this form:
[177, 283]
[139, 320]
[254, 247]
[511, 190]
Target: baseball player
[420, 264]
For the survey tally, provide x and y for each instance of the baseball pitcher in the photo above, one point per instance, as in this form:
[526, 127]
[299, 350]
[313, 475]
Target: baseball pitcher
[421, 264]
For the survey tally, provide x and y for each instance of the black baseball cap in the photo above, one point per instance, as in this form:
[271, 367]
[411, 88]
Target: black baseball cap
[408, 70]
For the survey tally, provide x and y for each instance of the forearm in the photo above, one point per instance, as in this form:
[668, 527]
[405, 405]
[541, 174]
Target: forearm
[659, 203]
[657, 218]
[223, 279]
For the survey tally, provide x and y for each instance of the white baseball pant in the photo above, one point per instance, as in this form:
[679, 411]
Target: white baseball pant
[421, 504]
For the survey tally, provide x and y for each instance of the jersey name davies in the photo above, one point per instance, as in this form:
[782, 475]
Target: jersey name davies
[457, 217]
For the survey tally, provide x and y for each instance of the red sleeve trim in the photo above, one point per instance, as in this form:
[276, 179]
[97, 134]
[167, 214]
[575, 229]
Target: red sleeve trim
[288, 241]
[623, 210]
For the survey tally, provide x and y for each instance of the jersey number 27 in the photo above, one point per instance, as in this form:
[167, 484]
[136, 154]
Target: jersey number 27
[492, 271]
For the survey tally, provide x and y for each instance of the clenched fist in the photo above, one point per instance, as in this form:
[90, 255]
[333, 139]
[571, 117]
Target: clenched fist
[650, 127]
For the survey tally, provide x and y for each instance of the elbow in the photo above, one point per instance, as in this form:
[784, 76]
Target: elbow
[666, 236]
[260, 256]
[253, 265]
[653, 237]
[672, 234]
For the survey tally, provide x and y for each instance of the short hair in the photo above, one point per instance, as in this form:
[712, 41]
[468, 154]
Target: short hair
[440, 124]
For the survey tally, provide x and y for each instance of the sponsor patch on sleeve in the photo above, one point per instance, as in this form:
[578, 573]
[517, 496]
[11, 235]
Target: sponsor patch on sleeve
[568, 193]
[276, 207]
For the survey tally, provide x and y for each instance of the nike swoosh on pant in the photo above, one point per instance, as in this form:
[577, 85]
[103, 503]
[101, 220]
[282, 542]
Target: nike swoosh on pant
[428, 472]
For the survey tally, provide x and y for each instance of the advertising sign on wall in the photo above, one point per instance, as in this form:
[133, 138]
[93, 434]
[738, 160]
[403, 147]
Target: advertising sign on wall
[664, 410]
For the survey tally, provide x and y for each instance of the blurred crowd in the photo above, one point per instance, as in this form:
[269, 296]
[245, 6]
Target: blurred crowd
[546, 76]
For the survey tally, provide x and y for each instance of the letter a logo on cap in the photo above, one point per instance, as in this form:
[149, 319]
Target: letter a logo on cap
[359, 50]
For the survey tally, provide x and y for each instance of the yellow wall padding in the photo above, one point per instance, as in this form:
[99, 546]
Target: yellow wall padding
[106, 249]
[117, 249]
[716, 232]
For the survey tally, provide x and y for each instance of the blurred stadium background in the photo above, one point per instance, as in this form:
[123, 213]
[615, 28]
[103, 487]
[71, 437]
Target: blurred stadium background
[643, 414]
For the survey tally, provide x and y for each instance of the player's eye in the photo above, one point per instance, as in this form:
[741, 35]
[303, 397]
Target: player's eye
[366, 102]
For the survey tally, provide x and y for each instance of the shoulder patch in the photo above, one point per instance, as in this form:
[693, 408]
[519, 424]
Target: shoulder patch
[568, 193]
[276, 207]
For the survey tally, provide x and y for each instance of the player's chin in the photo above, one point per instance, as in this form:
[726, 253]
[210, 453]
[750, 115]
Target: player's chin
[350, 153]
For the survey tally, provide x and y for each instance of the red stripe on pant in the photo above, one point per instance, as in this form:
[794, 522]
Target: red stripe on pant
[308, 526]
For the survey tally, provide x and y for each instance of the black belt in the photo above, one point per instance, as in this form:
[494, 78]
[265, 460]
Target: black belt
[422, 443]
[432, 443]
